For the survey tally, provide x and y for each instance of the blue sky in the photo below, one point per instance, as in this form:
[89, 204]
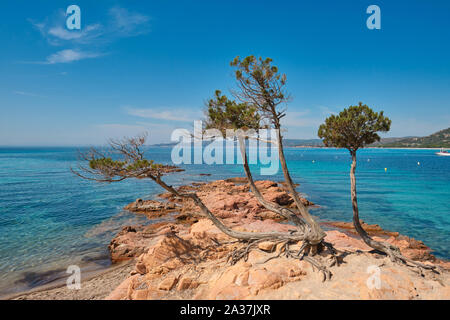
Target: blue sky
[149, 65]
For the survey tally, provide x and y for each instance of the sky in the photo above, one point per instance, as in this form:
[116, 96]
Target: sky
[138, 66]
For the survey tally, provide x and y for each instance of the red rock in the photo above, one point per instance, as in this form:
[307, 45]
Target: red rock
[345, 242]
[140, 268]
[120, 293]
[267, 246]
[170, 250]
[187, 283]
[237, 180]
[131, 242]
[140, 294]
[167, 248]
[150, 206]
[371, 229]
[168, 283]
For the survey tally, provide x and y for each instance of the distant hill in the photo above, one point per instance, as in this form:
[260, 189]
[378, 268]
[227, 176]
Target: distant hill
[385, 141]
[440, 139]
[319, 143]
[302, 143]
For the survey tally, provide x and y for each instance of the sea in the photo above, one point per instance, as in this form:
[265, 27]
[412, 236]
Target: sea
[51, 219]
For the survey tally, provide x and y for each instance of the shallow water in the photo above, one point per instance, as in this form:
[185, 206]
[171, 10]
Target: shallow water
[50, 219]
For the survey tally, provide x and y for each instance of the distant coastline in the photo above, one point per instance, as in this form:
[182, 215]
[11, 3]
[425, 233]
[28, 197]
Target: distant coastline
[437, 140]
[390, 148]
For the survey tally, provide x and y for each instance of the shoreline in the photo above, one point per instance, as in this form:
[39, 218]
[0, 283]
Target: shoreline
[107, 282]
[57, 290]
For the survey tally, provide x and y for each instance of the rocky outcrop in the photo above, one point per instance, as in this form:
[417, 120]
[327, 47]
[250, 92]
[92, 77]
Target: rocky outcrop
[371, 229]
[189, 260]
[132, 241]
[409, 247]
[232, 198]
[189, 264]
[150, 206]
[412, 248]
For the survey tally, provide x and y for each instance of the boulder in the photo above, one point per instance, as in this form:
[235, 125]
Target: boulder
[145, 206]
[168, 283]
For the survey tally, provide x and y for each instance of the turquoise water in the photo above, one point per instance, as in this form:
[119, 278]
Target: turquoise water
[50, 219]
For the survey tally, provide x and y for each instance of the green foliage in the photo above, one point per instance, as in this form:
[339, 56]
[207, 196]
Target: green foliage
[143, 164]
[354, 128]
[99, 163]
[440, 139]
[259, 69]
[261, 85]
[115, 166]
[223, 114]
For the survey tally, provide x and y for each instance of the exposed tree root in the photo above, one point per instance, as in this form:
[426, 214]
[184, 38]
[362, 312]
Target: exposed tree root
[305, 252]
[396, 256]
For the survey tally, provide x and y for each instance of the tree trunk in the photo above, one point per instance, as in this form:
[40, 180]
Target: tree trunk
[284, 212]
[316, 233]
[356, 223]
[230, 232]
[392, 251]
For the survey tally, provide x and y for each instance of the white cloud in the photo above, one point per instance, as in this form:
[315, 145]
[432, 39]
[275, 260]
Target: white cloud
[120, 23]
[326, 111]
[70, 55]
[168, 114]
[28, 94]
[86, 35]
[128, 23]
[53, 29]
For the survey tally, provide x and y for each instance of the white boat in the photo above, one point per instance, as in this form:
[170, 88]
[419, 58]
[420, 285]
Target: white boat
[443, 152]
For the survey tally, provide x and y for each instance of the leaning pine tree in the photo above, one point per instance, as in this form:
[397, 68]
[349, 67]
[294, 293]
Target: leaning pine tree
[354, 128]
[125, 159]
[261, 93]
[261, 99]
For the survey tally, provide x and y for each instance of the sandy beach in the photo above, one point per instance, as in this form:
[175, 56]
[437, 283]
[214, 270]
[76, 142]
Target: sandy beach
[96, 286]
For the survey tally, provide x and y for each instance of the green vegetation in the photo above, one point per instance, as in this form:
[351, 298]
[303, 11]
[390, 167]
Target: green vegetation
[226, 114]
[303, 143]
[440, 139]
[261, 100]
[354, 128]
